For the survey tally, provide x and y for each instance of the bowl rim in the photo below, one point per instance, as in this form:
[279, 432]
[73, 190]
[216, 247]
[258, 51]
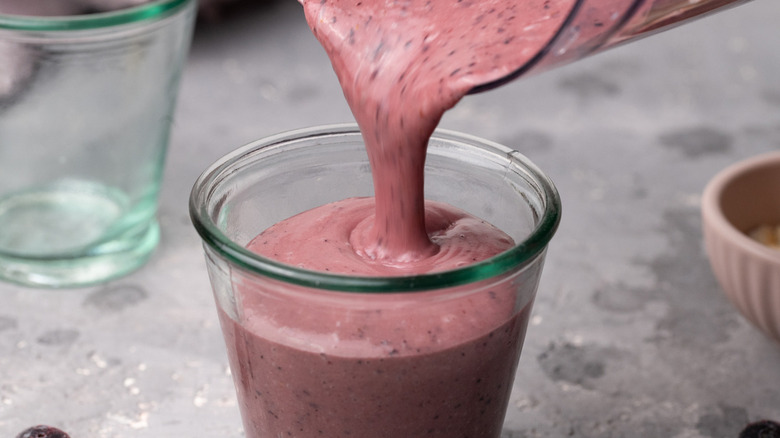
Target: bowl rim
[712, 213]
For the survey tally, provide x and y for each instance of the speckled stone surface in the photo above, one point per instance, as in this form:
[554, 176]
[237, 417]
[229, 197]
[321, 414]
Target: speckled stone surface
[631, 335]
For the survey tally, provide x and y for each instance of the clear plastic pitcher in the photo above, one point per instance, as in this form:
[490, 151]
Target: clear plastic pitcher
[592, 26]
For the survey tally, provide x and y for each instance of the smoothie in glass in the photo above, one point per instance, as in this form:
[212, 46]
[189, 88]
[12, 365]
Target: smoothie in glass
[390, 313]
[318, 349]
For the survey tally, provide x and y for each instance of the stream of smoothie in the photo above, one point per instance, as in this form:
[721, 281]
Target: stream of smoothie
[396, 365]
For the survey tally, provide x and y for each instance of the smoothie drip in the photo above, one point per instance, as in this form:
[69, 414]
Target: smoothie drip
[401, 65]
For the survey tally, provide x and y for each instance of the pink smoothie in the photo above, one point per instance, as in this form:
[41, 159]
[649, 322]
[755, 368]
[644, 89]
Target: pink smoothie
[379, 366]
[401, 64]
[335, 237]
[317, 363]
[313, 363]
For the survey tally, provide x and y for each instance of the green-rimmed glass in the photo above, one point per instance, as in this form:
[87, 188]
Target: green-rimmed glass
[340, 327]
[86, 103]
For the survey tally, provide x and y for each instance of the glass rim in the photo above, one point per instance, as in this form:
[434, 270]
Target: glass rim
[135, 14]
[519, 255]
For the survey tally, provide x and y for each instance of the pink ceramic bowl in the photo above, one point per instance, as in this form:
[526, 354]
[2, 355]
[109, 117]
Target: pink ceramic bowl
[736, 201]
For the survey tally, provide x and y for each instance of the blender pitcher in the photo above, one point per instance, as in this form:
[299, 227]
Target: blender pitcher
[592, 26]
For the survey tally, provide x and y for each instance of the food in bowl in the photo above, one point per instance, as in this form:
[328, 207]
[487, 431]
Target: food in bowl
[737, 201]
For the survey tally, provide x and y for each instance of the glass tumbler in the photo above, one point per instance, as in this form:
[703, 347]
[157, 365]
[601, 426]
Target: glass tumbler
[87, 94]
[315, 354]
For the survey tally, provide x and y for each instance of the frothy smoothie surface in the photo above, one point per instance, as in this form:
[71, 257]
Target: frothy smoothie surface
[337, 238]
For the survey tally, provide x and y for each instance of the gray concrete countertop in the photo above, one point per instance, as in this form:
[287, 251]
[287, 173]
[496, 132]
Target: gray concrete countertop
[631, 335]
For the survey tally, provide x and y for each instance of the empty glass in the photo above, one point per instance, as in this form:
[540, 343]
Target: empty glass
[87, 95]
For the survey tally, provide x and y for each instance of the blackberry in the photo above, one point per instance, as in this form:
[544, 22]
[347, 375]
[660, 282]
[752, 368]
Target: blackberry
[42, 432]
[761, 429]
